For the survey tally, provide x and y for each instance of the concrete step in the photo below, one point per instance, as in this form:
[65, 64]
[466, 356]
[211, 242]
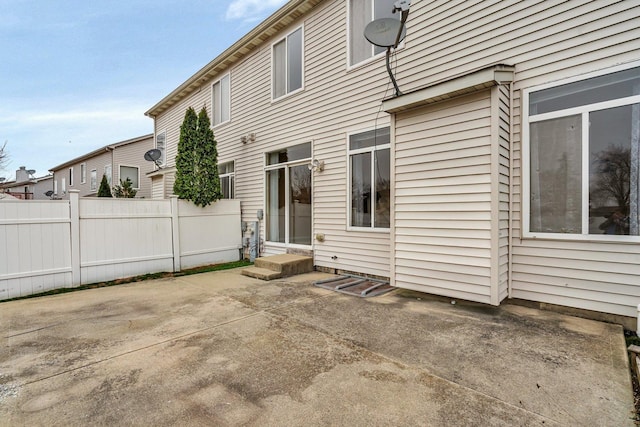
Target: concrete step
[261, 273]
[286, 264]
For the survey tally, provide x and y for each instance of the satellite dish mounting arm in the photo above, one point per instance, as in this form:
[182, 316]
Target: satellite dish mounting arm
[403, 7]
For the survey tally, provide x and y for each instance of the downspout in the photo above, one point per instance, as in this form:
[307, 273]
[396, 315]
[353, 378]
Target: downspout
[511, 155]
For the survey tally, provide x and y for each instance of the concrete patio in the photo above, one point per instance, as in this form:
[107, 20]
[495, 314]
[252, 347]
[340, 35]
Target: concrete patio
[224, 349]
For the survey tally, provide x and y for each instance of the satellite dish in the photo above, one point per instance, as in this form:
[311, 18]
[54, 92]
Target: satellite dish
[384, 32]
[152, 155]
[31, 171]
[49, 193]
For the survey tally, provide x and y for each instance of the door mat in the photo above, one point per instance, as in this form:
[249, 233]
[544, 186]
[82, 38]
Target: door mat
[354, 285]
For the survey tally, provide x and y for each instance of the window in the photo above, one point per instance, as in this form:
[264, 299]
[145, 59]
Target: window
[288, 195]
[94, 180]
[370, 179]
[160, 145]
[361, 12]
[55, 187]
[227, 176]
[582, 142]
[64, 185]
[108, 173]
[287, 64]
[130, 172]
[70, 177]
[221, 100]
[83, 173]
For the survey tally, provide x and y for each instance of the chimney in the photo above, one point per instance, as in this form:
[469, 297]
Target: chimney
[22, 175]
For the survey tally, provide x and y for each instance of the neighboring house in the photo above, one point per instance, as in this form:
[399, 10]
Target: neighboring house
[28, 187]
[486, 179]
[117, 161]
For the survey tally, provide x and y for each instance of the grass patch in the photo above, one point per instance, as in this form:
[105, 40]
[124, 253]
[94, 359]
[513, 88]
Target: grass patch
[143, 277]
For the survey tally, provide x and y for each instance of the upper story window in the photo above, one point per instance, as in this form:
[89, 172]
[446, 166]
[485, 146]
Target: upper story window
[108, 173]
[83, 173]
[94, 180]
[131, 173]
[221, 100]
[361, 12]
[227, 177]
[581, 145]
[287, 60]
[70, 177]
[370, 179]
[160, 145]
[64, 185]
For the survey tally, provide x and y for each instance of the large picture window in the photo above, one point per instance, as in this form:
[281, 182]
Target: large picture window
[369, 179]
[132, 173]
[221, 100]
[361, 12]
[582, 140]
[287, 64]
[161, 146]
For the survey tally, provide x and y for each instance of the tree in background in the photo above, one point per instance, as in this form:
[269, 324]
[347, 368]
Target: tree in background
[104, 190]
[125, 189]
[184, 184]
[4, 156]
[197, 177]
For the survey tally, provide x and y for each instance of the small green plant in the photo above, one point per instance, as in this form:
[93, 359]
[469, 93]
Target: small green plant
[125, 189]
[104, 190]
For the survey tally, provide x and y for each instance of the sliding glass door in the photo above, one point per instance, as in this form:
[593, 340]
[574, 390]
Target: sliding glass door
[288, 195]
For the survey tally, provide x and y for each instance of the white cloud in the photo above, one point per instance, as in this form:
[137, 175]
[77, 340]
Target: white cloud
[251, 10]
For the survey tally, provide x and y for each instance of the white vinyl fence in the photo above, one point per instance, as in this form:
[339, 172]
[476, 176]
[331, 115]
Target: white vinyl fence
[47, 244]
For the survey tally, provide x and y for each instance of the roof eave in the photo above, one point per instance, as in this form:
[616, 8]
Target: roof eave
[236, 52]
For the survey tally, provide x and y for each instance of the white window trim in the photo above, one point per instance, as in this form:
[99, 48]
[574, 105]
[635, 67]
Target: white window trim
[350, 152]
[213, 102]
[526, 158]
[120, 166]
[230, 174]
[109, 176]
[372, 58]
[284, 165]
[83, 173]
[164, 152]
[91, 187]
[71, 176]
[288, 94]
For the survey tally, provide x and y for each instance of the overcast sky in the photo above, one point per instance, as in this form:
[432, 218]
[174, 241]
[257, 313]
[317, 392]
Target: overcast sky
[77, 75]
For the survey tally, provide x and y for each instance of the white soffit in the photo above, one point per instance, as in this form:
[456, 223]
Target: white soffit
[469, 83]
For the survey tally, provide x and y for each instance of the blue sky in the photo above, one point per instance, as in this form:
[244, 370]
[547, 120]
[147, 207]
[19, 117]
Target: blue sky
[78, 75]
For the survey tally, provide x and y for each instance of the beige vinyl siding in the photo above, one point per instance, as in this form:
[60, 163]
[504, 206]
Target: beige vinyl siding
[544, 40]
[157, 187]
[310, 115]
[133, 155]
[501, 169]
[97, 162]
[443, 199]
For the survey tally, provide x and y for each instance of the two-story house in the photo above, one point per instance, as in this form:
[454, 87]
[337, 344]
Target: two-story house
[117, 162]
[28, 187]
[507, 168]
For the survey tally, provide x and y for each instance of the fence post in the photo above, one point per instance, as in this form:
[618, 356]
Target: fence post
[175, 230]
[74, 211]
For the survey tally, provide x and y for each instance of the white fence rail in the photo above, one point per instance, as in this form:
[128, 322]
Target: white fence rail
[46, 245]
